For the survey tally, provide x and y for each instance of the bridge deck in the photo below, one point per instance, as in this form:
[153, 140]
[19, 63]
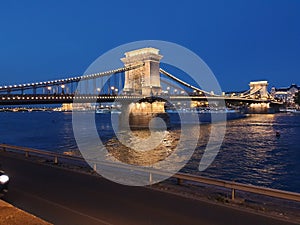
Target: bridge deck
[17, 99]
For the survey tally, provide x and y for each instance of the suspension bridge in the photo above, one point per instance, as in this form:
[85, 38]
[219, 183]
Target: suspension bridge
[140, 78]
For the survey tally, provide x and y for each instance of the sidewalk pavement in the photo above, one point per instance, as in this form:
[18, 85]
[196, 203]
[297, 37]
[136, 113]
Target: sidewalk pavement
[10, 215]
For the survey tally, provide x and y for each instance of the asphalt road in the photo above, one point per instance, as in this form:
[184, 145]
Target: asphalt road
[69, 198]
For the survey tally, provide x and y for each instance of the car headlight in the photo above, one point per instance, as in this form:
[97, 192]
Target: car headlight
[4, 179]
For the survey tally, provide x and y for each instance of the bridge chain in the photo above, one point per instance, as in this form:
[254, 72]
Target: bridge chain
[184, 83]
[10, 88]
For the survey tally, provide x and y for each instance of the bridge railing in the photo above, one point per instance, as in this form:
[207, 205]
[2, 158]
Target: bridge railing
[233, 186]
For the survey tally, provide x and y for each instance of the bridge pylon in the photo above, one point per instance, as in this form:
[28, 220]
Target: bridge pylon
[144, 80]
[259, 88]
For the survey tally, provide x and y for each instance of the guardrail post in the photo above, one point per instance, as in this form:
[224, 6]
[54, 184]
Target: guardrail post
[232, 194]
[55, 160]
[179, 181]
[150, 178]
[26, 154]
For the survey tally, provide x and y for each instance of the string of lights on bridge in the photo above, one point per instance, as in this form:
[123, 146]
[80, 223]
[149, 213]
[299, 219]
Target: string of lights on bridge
[62, 82]
[110, 95]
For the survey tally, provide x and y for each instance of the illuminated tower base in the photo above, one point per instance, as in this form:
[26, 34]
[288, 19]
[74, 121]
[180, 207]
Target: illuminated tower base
[144, 115]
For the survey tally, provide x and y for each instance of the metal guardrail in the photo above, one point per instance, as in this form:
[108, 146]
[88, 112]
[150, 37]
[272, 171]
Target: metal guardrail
[233, 186]
[241, 187]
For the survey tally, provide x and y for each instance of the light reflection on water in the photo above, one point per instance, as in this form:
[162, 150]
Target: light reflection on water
[142, 147]
[250, 153]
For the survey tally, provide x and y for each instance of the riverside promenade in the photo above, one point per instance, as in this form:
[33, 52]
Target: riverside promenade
[64, 196]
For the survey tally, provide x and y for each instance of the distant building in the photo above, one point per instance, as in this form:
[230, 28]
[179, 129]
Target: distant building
[77, 107]
[67, 107]
[285, 94]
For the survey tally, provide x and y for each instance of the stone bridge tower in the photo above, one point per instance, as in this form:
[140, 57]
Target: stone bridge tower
[259, 88]
[144, 80]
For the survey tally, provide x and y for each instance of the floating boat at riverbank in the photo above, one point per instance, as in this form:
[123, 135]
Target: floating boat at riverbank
[102, 111]
[188, 116]
[296, 111]
[107, 110]
[290, 110]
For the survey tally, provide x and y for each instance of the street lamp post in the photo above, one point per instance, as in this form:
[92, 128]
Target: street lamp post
[112, 90]
[98, 91]
[168, 90]
[49, 90]
[63, 89]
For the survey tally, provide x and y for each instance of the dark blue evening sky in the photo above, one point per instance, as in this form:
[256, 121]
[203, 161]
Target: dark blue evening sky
[240, 40]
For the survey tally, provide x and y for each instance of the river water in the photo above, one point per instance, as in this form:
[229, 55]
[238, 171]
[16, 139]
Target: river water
[251, 152]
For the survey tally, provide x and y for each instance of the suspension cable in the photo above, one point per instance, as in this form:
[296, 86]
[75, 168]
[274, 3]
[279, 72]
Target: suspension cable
[183, 82]
[8, 88]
